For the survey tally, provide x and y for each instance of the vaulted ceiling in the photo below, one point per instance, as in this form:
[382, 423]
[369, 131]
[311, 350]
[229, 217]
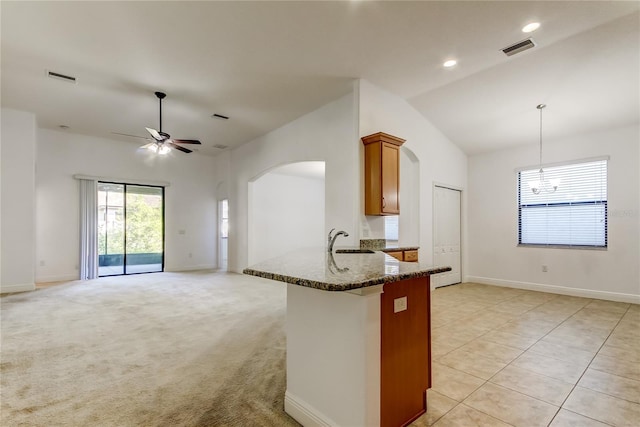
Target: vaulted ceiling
[266, 63]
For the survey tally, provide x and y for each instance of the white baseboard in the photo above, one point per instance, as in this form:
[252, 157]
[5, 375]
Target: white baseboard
[554, 289]
[304, 413]
[62, 278]
[190, 268]
[5, 289]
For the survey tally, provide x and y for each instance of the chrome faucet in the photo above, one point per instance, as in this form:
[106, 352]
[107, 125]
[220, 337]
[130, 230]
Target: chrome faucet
[332, 239]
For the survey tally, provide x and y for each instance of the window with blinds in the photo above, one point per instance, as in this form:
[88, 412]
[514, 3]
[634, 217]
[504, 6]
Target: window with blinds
[575, 215]
[391, 228]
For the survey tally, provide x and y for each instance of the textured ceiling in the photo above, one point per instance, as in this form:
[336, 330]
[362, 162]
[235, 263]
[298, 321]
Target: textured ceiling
[266, 63]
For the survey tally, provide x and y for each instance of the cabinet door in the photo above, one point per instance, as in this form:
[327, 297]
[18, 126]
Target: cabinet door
[372, 179]
[390, 179]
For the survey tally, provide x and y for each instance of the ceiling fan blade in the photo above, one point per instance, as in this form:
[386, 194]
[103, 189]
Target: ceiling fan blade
[177, 147]
[154, 133]
[132, 136]
[186, 141]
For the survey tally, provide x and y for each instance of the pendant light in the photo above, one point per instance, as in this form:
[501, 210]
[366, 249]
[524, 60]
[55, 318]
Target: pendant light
[541, 185]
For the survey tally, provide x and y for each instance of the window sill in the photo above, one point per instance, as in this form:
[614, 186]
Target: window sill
[588, 248]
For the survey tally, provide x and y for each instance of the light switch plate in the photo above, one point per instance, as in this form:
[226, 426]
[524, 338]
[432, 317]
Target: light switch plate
[399, 304]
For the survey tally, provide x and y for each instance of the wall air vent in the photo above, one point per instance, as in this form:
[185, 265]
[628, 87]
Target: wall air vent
[219, 116]
[63, 77]
[220, 146]
[518, 47]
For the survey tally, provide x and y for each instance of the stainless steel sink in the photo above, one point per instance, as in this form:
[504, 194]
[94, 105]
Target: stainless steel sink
[354, 251]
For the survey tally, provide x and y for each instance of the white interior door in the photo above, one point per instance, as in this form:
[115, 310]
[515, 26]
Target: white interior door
[446, 235]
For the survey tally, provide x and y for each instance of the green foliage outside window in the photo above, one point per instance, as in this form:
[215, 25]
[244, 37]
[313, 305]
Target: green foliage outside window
[144, 227]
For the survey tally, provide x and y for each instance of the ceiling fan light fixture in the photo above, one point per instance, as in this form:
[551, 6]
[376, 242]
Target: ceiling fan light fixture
[162, 143]
[449, 63]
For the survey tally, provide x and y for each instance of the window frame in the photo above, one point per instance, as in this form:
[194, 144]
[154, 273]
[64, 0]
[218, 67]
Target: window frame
[603, 203]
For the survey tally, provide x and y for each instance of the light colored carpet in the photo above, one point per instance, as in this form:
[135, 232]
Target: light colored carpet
[164, 349]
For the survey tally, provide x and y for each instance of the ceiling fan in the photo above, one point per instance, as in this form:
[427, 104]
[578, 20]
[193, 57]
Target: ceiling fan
[162, 143]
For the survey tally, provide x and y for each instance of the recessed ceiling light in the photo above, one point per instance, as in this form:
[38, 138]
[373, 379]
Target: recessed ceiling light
[450, 63]
[530, 28]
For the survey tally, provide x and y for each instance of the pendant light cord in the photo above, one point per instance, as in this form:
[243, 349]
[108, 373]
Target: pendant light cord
[540, 107]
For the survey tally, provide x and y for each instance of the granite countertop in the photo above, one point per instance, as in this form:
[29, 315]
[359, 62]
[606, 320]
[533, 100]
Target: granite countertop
[400, 248]
[316, 268]
[384, 246]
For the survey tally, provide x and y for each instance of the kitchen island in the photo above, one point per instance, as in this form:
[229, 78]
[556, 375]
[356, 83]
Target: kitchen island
[358, 336]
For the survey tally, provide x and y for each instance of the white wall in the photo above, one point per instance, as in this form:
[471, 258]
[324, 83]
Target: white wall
[189, 200]
[492, 227]
[285, 213]
[440, 161]
[328, 134]
[17, 182]
[409, 219]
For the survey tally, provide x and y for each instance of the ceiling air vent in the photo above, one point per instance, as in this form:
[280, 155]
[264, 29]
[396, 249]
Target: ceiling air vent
[518, 47]
[62, 77]
[220, 146]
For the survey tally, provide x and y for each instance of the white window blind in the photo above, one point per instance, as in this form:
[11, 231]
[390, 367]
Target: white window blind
[575, 215]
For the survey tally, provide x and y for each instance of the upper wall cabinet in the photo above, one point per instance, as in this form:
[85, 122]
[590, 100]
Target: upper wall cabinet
[381, 174]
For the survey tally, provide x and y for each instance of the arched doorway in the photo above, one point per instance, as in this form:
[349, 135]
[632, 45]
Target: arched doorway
[286, 210]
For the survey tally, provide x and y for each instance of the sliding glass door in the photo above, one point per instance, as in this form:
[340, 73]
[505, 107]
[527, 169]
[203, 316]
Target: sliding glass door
[110, 229]
[144, 239]
[130, 229]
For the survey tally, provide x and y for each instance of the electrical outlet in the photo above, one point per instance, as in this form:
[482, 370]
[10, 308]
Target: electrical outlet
[399, 304]
[544, 269]
[182, 232]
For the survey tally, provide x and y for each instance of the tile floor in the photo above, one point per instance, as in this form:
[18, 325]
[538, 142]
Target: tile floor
[510, 357]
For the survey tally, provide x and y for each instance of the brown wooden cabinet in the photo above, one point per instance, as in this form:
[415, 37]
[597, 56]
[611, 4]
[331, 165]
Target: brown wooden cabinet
[405, 351]
[381, 174]
[404, 255]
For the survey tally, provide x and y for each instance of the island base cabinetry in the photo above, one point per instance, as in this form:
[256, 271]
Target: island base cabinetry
[358, 358]
[333, 356]
[405, 362]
